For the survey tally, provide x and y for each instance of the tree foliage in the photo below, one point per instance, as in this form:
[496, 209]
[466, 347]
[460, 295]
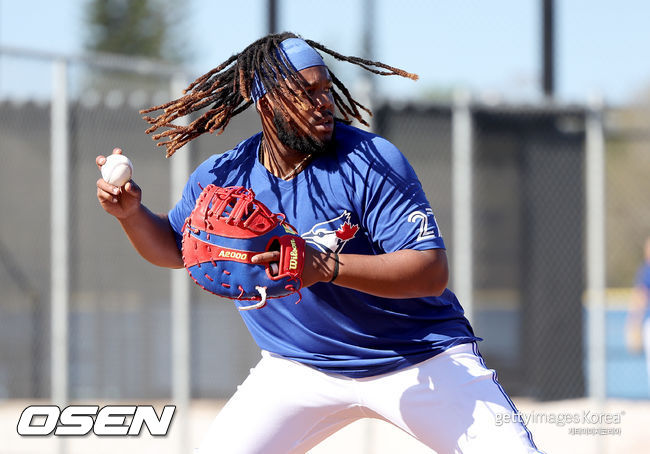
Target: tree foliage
[143, 28]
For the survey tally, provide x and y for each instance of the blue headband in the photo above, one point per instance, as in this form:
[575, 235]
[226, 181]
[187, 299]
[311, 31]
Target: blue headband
[301, 56]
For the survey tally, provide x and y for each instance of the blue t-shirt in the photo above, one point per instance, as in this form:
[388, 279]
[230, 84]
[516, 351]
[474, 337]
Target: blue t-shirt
[643, 282]
[364, 198]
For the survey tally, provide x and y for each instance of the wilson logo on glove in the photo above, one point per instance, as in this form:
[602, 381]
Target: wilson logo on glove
[293, 255]
[227, 227]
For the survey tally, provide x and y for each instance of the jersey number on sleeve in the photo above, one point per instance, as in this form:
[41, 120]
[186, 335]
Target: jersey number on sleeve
[426, 231]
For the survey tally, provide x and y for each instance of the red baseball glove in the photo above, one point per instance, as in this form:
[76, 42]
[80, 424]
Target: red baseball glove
[226, 228]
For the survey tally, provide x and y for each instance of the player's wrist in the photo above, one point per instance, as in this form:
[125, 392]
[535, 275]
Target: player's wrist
[319, 267]
[335, 267]
[131, 214]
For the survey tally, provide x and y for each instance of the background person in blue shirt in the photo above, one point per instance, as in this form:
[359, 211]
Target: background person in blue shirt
[382, 336]
[638, 322]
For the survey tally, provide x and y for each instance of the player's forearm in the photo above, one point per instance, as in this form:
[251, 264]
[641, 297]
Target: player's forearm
[152, 236]
[401, 274]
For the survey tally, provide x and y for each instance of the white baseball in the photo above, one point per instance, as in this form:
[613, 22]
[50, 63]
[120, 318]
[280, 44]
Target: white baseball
[117, 169]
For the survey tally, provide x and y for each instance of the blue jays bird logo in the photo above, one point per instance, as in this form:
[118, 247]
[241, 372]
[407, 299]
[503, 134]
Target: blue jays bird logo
[331, 236]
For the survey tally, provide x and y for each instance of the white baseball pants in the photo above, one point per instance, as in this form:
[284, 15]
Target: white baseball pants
[451, 403]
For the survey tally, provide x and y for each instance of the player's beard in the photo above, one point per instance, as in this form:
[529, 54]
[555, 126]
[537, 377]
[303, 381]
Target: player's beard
[291, 137]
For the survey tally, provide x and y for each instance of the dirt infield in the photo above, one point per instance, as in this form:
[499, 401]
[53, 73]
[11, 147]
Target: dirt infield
[569, 426]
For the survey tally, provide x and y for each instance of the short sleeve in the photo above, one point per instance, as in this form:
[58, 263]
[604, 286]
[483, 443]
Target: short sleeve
[396, 212]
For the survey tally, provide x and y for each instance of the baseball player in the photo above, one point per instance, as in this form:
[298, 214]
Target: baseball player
[377, 334]
[638, 320]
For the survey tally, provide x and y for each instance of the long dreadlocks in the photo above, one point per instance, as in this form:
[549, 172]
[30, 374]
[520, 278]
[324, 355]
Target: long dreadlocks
[228, 89]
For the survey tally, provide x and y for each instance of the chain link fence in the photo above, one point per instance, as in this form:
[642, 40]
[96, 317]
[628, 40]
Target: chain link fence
[528, 209]
[528, 239]
[24, 240]
[119, 306]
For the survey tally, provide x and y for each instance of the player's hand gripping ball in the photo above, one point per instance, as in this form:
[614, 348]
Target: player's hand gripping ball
[225, 230]
[117, 169]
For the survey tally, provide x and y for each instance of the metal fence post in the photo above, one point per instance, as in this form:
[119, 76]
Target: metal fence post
[462, 272]
[59, 219]
[595, 194]
[59, 191]
[180, 295]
